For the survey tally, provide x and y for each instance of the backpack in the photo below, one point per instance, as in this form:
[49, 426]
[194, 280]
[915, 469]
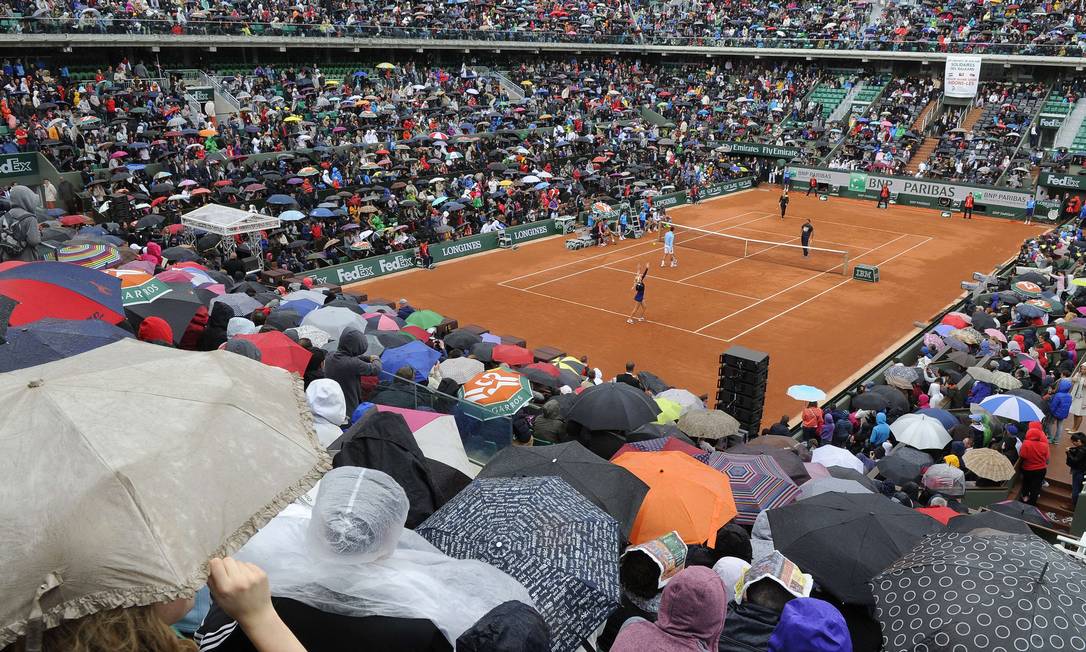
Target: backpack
[12, 242]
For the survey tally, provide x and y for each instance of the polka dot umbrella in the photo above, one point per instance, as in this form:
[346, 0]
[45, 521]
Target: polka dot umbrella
[963, 591]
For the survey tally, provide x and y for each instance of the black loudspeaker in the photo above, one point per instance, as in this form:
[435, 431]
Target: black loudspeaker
[741, 386]
[120, 208]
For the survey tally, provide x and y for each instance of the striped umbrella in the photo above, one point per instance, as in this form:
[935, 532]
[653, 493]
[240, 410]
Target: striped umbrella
[758, 483]
[379, 322]
[94, 256]
[1012, 408]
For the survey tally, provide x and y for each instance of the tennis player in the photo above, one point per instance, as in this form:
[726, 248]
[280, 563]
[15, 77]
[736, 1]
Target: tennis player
[639, 294]
[669, 247]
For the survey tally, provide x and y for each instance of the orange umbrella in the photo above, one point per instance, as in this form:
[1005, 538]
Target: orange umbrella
[684, 495]
[129, 277]
[941, 514]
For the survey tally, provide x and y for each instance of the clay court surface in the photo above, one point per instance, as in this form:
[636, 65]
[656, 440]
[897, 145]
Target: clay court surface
[820, 327]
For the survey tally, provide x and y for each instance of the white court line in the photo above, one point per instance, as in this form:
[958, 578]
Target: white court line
[820, 240]
[610, 262]
[796, 285]
[607, 253]
[620, 314]
[927, 239]
[680, 282]
[737, 260]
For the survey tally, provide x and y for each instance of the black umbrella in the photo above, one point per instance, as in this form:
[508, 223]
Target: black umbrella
[1022, 511]
[483, 351]
[250, 286]
[903, 464]
[962, 359]
[1008, 592]
[844, 540]
[344, 302]
[1033, 277]
[461, 339]
[1032, 397]
[177, 307]
[539, 377]
[179, 254]
[657, 431]
[988, 520]
[870, 401]
[842, 473]
[545, 534]
[982, 320]
[46, 340]
[151, 221]
[281, 320]
[611, 487]
[789, 460]
[613, 406]
[392, 339]
[895, 398]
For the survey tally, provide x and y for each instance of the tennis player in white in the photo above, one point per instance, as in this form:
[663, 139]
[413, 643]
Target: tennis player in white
[669, 247]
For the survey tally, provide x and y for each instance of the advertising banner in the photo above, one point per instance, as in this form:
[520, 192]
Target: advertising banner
[758, 149]
[962, 75]
[18, 165]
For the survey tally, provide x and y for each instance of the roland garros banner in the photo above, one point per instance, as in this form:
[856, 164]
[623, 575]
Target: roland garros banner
[911, 191]
[961, 77]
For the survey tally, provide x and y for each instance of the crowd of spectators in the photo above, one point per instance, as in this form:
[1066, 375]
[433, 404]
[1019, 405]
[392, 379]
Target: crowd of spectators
[1041, 28]
[983, 153]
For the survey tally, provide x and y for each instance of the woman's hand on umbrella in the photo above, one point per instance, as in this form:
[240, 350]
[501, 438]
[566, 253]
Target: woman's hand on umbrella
[242, 591]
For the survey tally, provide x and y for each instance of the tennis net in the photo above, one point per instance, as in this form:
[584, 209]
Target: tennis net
[780, 253]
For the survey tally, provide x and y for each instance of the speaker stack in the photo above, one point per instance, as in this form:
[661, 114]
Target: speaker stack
[741, 387]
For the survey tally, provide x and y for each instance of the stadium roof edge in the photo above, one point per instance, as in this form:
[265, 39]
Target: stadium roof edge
[197, 41]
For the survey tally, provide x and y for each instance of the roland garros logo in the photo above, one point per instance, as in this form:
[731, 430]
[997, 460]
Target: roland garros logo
[492, 387]
[1028, 286]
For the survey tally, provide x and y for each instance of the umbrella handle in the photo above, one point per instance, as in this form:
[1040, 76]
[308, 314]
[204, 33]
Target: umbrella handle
[34, 625]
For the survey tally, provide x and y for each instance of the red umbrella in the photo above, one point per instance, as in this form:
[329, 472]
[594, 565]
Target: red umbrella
[75, 220]
[418, 333]
[278, 350]
[546, 368]
[955, 320]
[941, 514]
[60, 290]
[512, 355]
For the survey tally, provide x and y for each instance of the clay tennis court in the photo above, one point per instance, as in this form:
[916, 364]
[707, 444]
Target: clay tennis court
[819, 326]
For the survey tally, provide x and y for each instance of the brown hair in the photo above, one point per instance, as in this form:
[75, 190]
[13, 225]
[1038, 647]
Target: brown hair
[137, 629]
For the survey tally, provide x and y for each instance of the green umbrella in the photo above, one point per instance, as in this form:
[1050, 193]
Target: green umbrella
[425, 319]
[670, 411]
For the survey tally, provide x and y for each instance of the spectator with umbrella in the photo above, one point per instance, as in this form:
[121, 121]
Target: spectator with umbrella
[692, 614]
[1034, 456]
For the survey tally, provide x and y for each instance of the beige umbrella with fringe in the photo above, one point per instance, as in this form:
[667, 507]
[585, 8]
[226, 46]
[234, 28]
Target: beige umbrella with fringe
[127, 467]
[989, 464]
[708, 424]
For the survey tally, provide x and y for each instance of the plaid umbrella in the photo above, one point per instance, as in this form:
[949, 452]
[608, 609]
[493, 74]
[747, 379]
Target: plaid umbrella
[989, 463]
[549, 537]
[963, 591]
[94, 256]
[460, 370]
[758, 483]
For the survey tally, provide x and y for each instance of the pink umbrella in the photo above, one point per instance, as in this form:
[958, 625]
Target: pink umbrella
[933, 341]
[1081, 311]
[118, 155]
[145, 266]
[995, 334]
[217, 288]
[816, 470]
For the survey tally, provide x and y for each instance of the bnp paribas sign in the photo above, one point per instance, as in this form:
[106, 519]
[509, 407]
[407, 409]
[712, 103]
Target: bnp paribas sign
[18, 165]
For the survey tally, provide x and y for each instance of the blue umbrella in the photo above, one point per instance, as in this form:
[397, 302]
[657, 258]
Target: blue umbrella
[1012, 408]
[416, 355]
[549, 537]
[942, 416]
[291, 216]
[301, 306]
[1027, 310]
[806, 393]
[944, 329]
[280, 200]
[321, 212]
[46, 340]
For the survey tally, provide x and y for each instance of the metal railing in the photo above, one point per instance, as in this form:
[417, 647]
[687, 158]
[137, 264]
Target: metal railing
[827, 40]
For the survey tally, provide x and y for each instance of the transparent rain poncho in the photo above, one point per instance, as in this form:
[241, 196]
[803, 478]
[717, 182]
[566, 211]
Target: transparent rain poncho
[351, 555]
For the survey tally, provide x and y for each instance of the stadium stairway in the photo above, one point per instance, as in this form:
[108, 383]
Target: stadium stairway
[972, 118]
[921, 154]
[1069, 133]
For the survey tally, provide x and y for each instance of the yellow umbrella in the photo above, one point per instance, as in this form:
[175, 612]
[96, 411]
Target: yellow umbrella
[669, 410]
[527, 82]
[1081, 282]
[385, 66]
[505, 182]
[332, 82]
[292, 118]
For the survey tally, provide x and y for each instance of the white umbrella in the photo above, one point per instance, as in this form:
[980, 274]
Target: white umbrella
[127, 467]
[829, 456]
[438, 437]
[687, 399]
[315, 335]
[818, 486]
[920, 431]
[460, 370]
[334, 320]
